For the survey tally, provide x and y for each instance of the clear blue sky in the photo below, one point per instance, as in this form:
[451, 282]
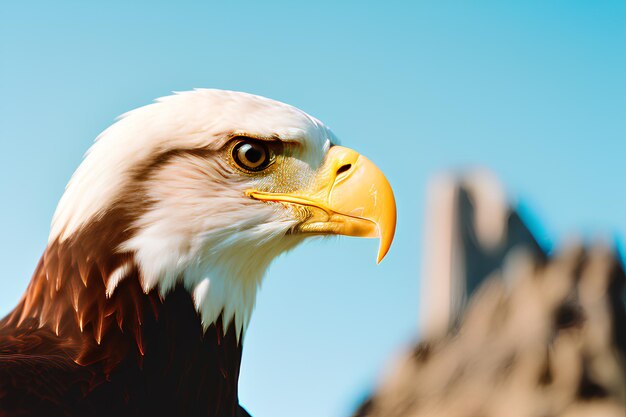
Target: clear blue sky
[534, 90]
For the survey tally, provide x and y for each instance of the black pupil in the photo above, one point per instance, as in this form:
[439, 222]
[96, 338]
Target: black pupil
[253, 154]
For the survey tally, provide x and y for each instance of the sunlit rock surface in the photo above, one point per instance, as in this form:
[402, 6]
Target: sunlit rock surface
[510, 331]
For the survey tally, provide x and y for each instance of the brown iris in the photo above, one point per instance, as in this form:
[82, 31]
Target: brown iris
[252, 155]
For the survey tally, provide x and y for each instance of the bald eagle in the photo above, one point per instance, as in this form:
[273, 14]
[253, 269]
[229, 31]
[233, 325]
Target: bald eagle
[158, 245]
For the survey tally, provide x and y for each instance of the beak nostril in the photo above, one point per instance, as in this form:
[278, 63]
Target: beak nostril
[343, 169]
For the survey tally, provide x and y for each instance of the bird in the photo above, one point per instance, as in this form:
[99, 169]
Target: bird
[141, 299]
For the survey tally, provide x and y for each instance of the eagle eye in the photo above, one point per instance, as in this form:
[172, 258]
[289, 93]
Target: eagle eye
[252, 155]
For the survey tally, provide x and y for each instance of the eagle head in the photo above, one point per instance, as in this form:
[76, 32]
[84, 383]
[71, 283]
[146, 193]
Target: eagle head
[209, 186]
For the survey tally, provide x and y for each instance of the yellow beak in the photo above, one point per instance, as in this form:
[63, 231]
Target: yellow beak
[352, 196]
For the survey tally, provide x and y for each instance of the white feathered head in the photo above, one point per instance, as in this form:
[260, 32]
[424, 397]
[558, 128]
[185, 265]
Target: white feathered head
[216, 185]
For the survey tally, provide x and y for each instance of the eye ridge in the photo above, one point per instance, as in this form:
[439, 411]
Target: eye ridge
[252, 155]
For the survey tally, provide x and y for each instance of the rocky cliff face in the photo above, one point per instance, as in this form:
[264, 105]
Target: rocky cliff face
[532, 335]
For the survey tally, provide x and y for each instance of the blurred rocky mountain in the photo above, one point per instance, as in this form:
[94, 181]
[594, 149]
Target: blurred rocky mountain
[508, 329]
